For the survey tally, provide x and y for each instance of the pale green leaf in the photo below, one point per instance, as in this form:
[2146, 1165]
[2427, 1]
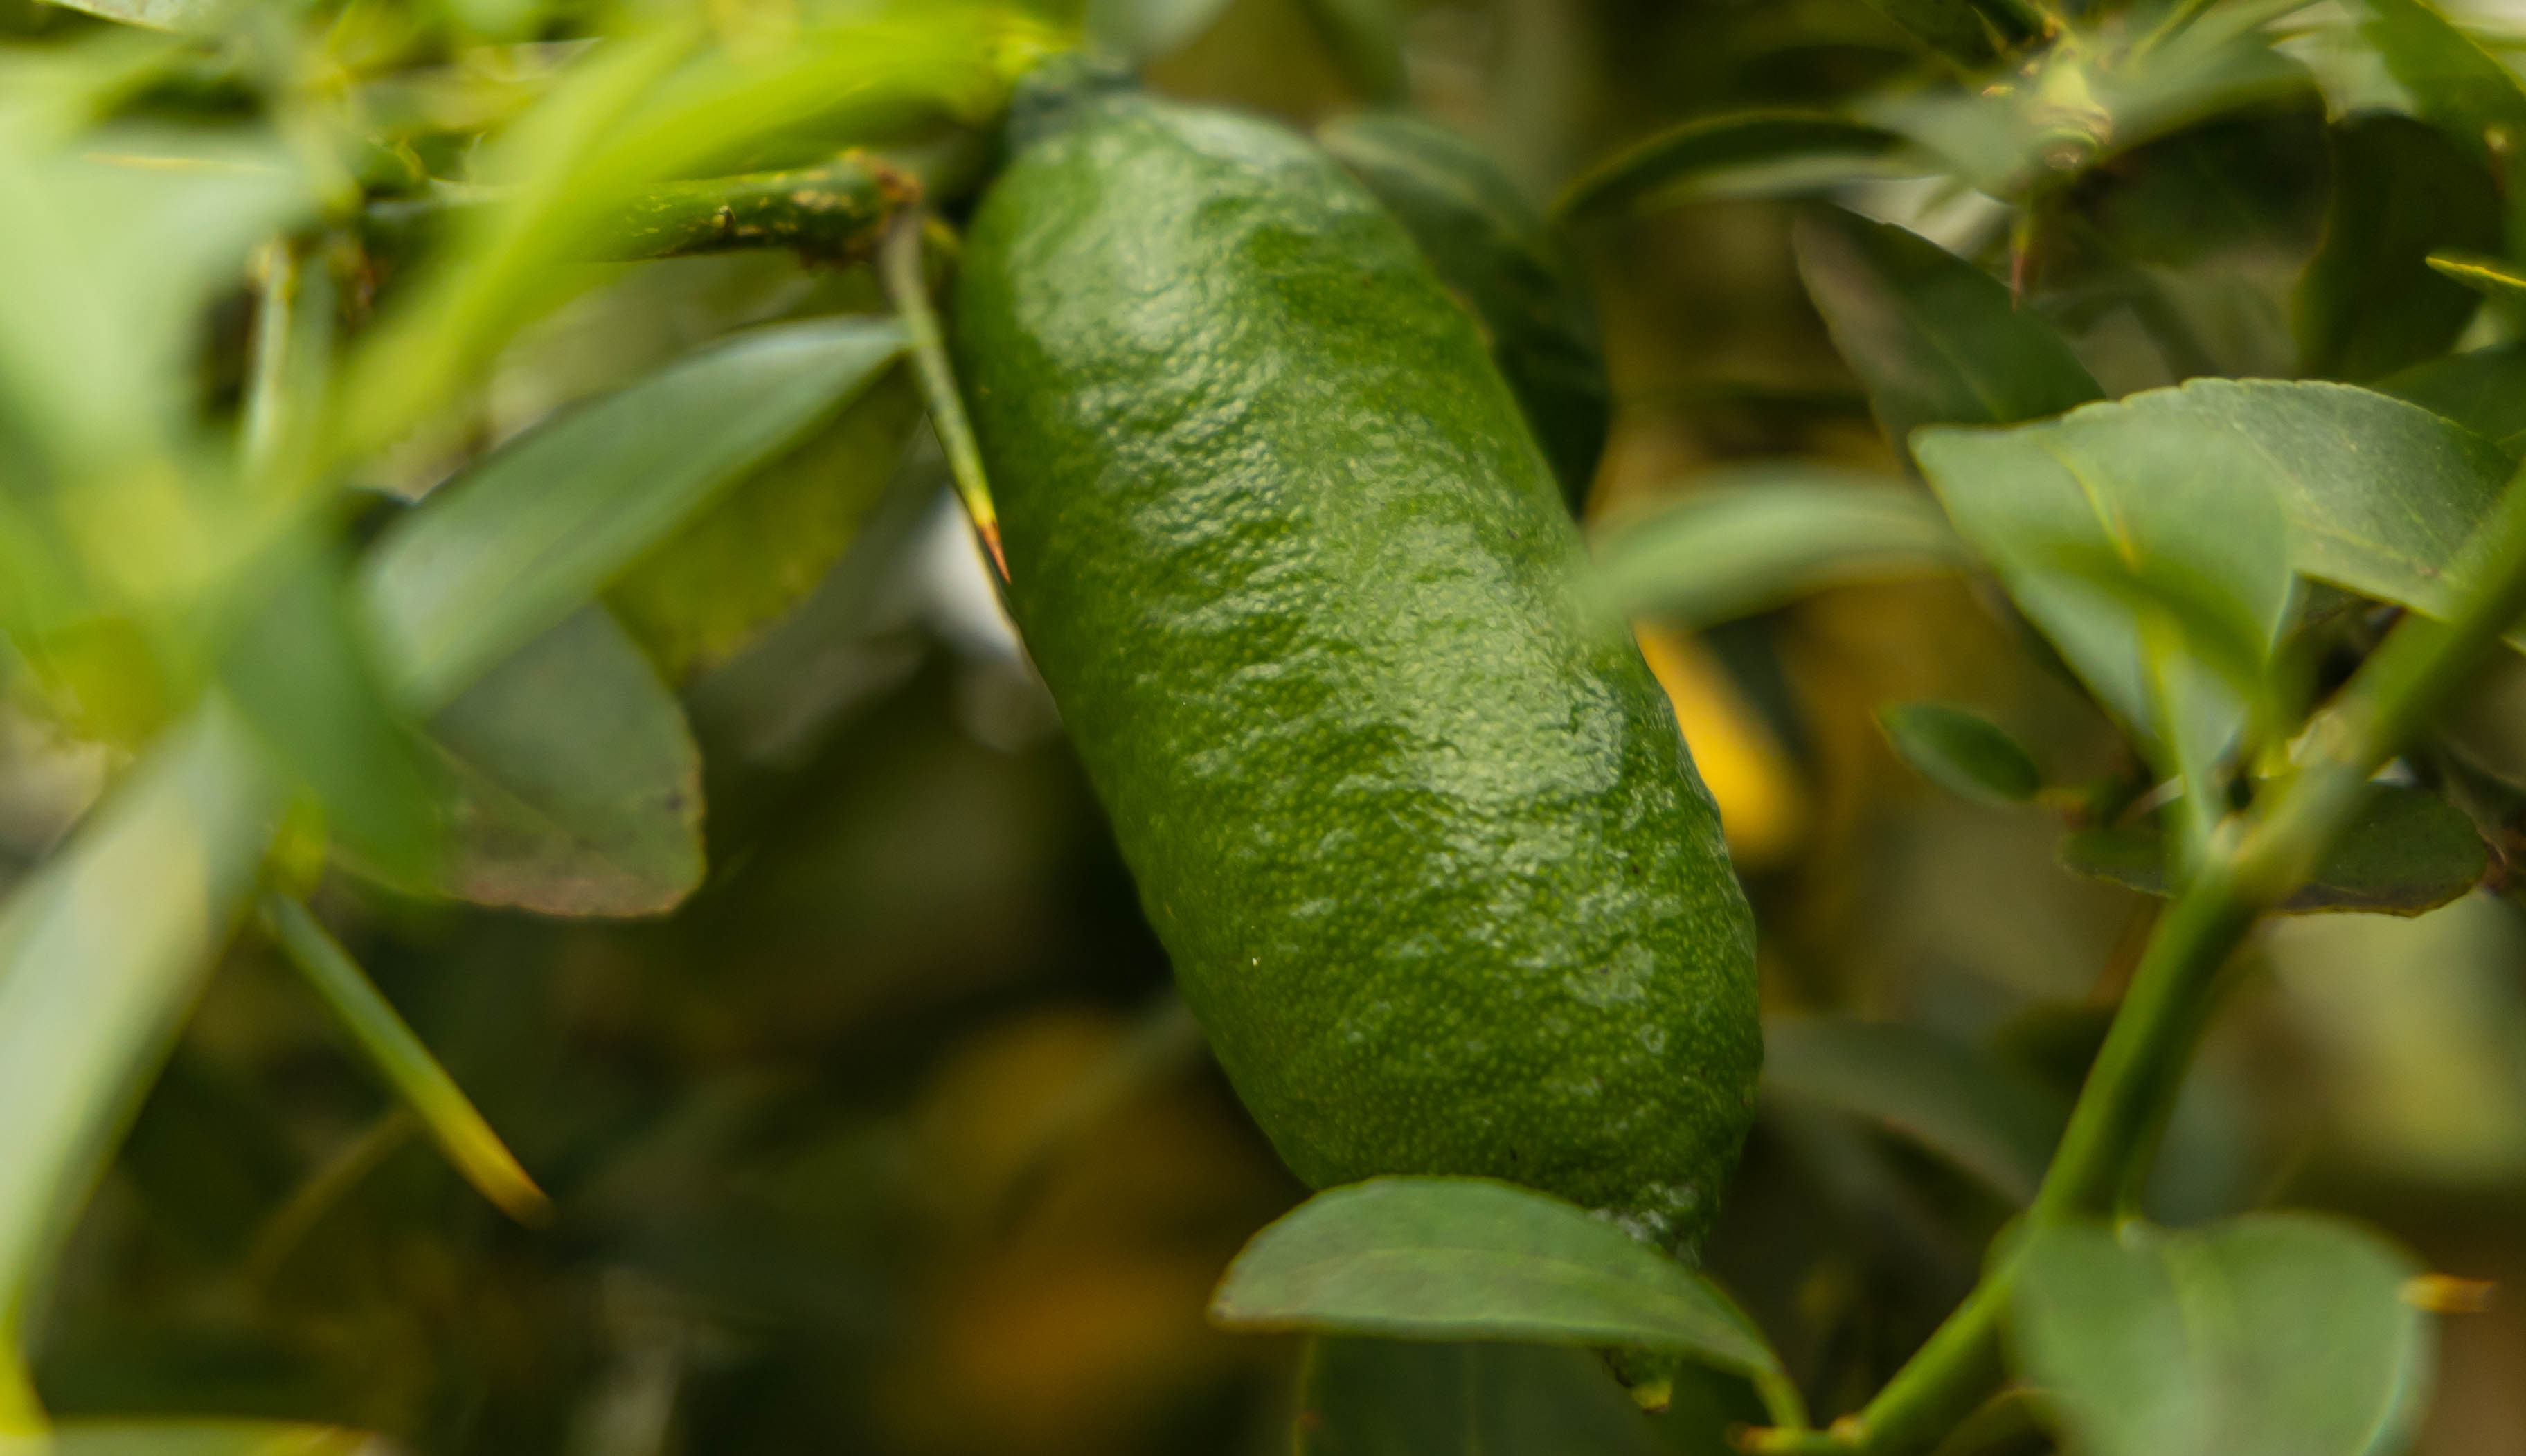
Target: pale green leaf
[180, 1437]
[2482, 390]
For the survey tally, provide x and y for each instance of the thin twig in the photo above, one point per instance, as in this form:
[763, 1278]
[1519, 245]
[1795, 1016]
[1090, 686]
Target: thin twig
[899, 263]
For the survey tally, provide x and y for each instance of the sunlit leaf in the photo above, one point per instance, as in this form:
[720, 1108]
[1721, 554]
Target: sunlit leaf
[2405, 852]
[2276, 1335]
[1765, 152]
[1497, 254]
[180, 1437]
[578, 783]
[533, 531]
[156, 14]
[1975, 1112]
[101, 951]
[2489, 278]
[1458, 1258]
[1758, 537]
[1384, 1397]
[1937, 340]
[1961, 751]
[2368, 304]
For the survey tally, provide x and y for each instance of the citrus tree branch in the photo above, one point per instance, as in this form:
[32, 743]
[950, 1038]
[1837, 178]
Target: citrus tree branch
[2253, 860]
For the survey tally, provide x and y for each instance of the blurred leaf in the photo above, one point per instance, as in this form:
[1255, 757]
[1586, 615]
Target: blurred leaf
[533, 530]
[2482, 390]
[1495, 251]
[208, 1437]
[101, 951]
[2457, 86]
[1935, 340]
[1365, 38]
[1463, 1258]
[2148, 538]
[2368, 304]
[2275, 1335]
[300, 673]
[1384, 1398]
[1961, 751]
[1974, 1112]
[2488, 276]
[1144, 30]
[2406, 852]
[156, 14]
[577, 784]
[1972, 35]
[703, 592]
[1759, 536]
[448, 1115]
[1763, 153]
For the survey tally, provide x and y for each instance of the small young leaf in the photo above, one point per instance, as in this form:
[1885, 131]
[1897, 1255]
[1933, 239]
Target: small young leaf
[2492, 277]
[2482, 390]
[2368, 304]
[2405, 852]
[1762, 152]
[533, 531]
[1759, 536]
[1976, 1113]
[578, 783]
[2275, 1335]
[1495, 252]
[1463, 1258]
[1387, 1397]
[1961, 751]
[1935, 340]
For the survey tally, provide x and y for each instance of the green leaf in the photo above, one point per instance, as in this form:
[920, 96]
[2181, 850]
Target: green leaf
[177, 1437]
[2275, 1335]
[101, 951]
[2482, 390]
[1761, 153]
[1462, 1258]
[1969, 34]
[2489, 277]
[2405, 852]
[1758, 537]
[1935, 340]
[1144, 30]
[2457, 86]
[1384, 1397]
[533, 531]
[704, 592]
[1979, 1115]
[2148, 540]
[1365, 38]
[1495, 253]
[1961, 751]
[156, 15]
[578, 783]
[2368, 304]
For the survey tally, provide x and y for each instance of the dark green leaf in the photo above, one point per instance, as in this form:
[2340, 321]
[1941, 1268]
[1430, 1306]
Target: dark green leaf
[1935, 340]
[2406, 852]
[2457, 86]
[1366, 40]
[577, 784]
[760, 549]
[2276, 1335]
[1383, 1397]
[1985, 1119]
[1143, 30]
[1493, 250]
[1763, 153]
[1972, 35]
[101, 951]
[536, 529]
[2369, 304]
[1759, 536]
[2482, 390]
[1961, 751]
[1461, 1258]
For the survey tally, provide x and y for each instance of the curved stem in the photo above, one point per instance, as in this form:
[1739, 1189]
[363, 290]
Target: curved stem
[899, 263]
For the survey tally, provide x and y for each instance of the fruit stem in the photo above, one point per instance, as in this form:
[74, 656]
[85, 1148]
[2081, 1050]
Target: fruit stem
[899, 263]
[2253, 860]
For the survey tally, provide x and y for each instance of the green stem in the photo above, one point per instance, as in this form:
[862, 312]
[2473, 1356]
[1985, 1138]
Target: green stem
[833, 213]
[899, 263]
[2252, 863]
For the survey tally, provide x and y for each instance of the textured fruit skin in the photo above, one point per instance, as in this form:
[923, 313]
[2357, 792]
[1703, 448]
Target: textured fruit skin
[1418, 831]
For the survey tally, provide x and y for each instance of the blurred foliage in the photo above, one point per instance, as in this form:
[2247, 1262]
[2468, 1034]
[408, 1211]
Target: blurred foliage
[589, 638]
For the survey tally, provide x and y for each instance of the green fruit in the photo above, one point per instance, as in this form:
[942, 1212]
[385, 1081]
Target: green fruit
[1497, 254]
[1417, 829]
